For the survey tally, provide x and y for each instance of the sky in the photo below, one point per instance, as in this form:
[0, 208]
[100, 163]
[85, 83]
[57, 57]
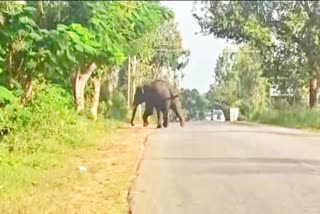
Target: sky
[205, 50]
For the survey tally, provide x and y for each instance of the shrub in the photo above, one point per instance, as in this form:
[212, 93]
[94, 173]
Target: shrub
[46, 124]
[115, 108]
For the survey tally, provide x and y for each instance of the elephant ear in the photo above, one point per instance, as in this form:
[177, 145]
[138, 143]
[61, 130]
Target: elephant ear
[139, 89]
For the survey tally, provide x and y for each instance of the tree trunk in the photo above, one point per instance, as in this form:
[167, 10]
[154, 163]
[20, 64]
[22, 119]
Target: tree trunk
[96, 96]
[73, 79]
[313, 91]
[79, 86]
[129, 77]
[134, 80]
[28, 90]
[140, 106]
[134, 76]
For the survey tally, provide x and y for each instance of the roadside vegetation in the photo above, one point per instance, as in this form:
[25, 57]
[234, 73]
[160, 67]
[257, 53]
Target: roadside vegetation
[194, 104]
[68, 71]
[273, 73]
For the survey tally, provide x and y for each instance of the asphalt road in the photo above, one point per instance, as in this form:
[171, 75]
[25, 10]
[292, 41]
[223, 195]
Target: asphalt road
[221, 168]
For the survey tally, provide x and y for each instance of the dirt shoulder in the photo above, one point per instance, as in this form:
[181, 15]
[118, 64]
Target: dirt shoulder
[101, 187]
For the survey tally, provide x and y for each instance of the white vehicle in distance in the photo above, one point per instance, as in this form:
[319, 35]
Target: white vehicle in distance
[218, 115]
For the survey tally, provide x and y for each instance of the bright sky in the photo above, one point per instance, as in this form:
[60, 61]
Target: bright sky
[205, 50]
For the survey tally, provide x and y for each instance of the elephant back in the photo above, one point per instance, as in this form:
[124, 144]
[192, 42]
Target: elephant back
[164, 89]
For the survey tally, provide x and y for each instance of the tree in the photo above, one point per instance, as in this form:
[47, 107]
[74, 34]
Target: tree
[194, 103]
[22, 52]
[242, 84]
[158, 54]
[285, 33]
[78, 42]
[169, 52]
[96, 45]
[223, 66]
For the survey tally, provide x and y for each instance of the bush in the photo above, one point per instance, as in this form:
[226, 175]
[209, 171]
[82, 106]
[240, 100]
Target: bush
[281, 104]
[116, 108]
[6, 97]
[46, 124]
[40, 134]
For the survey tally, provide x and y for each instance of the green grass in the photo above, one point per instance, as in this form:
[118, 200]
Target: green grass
[41, 136]
[292, 118]
[20, 170]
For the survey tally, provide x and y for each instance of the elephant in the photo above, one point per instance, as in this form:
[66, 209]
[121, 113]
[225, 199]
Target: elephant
[159, 95]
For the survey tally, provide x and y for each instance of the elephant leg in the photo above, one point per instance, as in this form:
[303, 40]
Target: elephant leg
[176, 111]
[146, 114]
[165, 110]
[158, 118]
[165, 118]
[145, 119]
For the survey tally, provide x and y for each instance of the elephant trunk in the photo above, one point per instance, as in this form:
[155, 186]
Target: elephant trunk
[133, 114]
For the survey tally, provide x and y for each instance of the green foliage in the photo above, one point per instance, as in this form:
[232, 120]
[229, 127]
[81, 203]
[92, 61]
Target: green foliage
[290, 117]
[20, 50]
[40, 135]
[169, 52]
[116, 107]
[239, 82]
[70, 46]
[285, 34]
[42, 36]
[195, 104]
[161, 48]
[281, 104]
[47, 120]
[6, 97]
[49, 105]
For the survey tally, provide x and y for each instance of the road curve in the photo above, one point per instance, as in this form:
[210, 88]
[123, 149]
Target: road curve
[226, 168]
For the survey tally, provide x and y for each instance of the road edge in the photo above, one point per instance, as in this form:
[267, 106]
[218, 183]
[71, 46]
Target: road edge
[257, 124]
[137, 168]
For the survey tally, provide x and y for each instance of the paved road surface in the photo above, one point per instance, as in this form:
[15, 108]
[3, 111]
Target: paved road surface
[224, 168]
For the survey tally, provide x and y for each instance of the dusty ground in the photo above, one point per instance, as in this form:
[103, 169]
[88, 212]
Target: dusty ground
[103, 188]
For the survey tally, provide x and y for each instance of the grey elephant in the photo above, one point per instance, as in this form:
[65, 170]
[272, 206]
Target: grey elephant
[159, 95]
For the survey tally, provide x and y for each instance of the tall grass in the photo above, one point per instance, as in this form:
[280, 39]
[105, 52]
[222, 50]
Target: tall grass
[292, 118]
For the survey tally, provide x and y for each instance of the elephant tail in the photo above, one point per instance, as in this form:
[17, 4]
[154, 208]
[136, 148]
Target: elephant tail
[173, 95]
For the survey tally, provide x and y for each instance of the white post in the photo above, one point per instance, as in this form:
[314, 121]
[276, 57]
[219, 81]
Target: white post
[234, 114]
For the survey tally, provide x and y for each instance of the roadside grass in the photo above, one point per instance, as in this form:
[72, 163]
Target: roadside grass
[40, 135]
[291, 118]
[20, 170]
[44, 132]
[103, 188]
